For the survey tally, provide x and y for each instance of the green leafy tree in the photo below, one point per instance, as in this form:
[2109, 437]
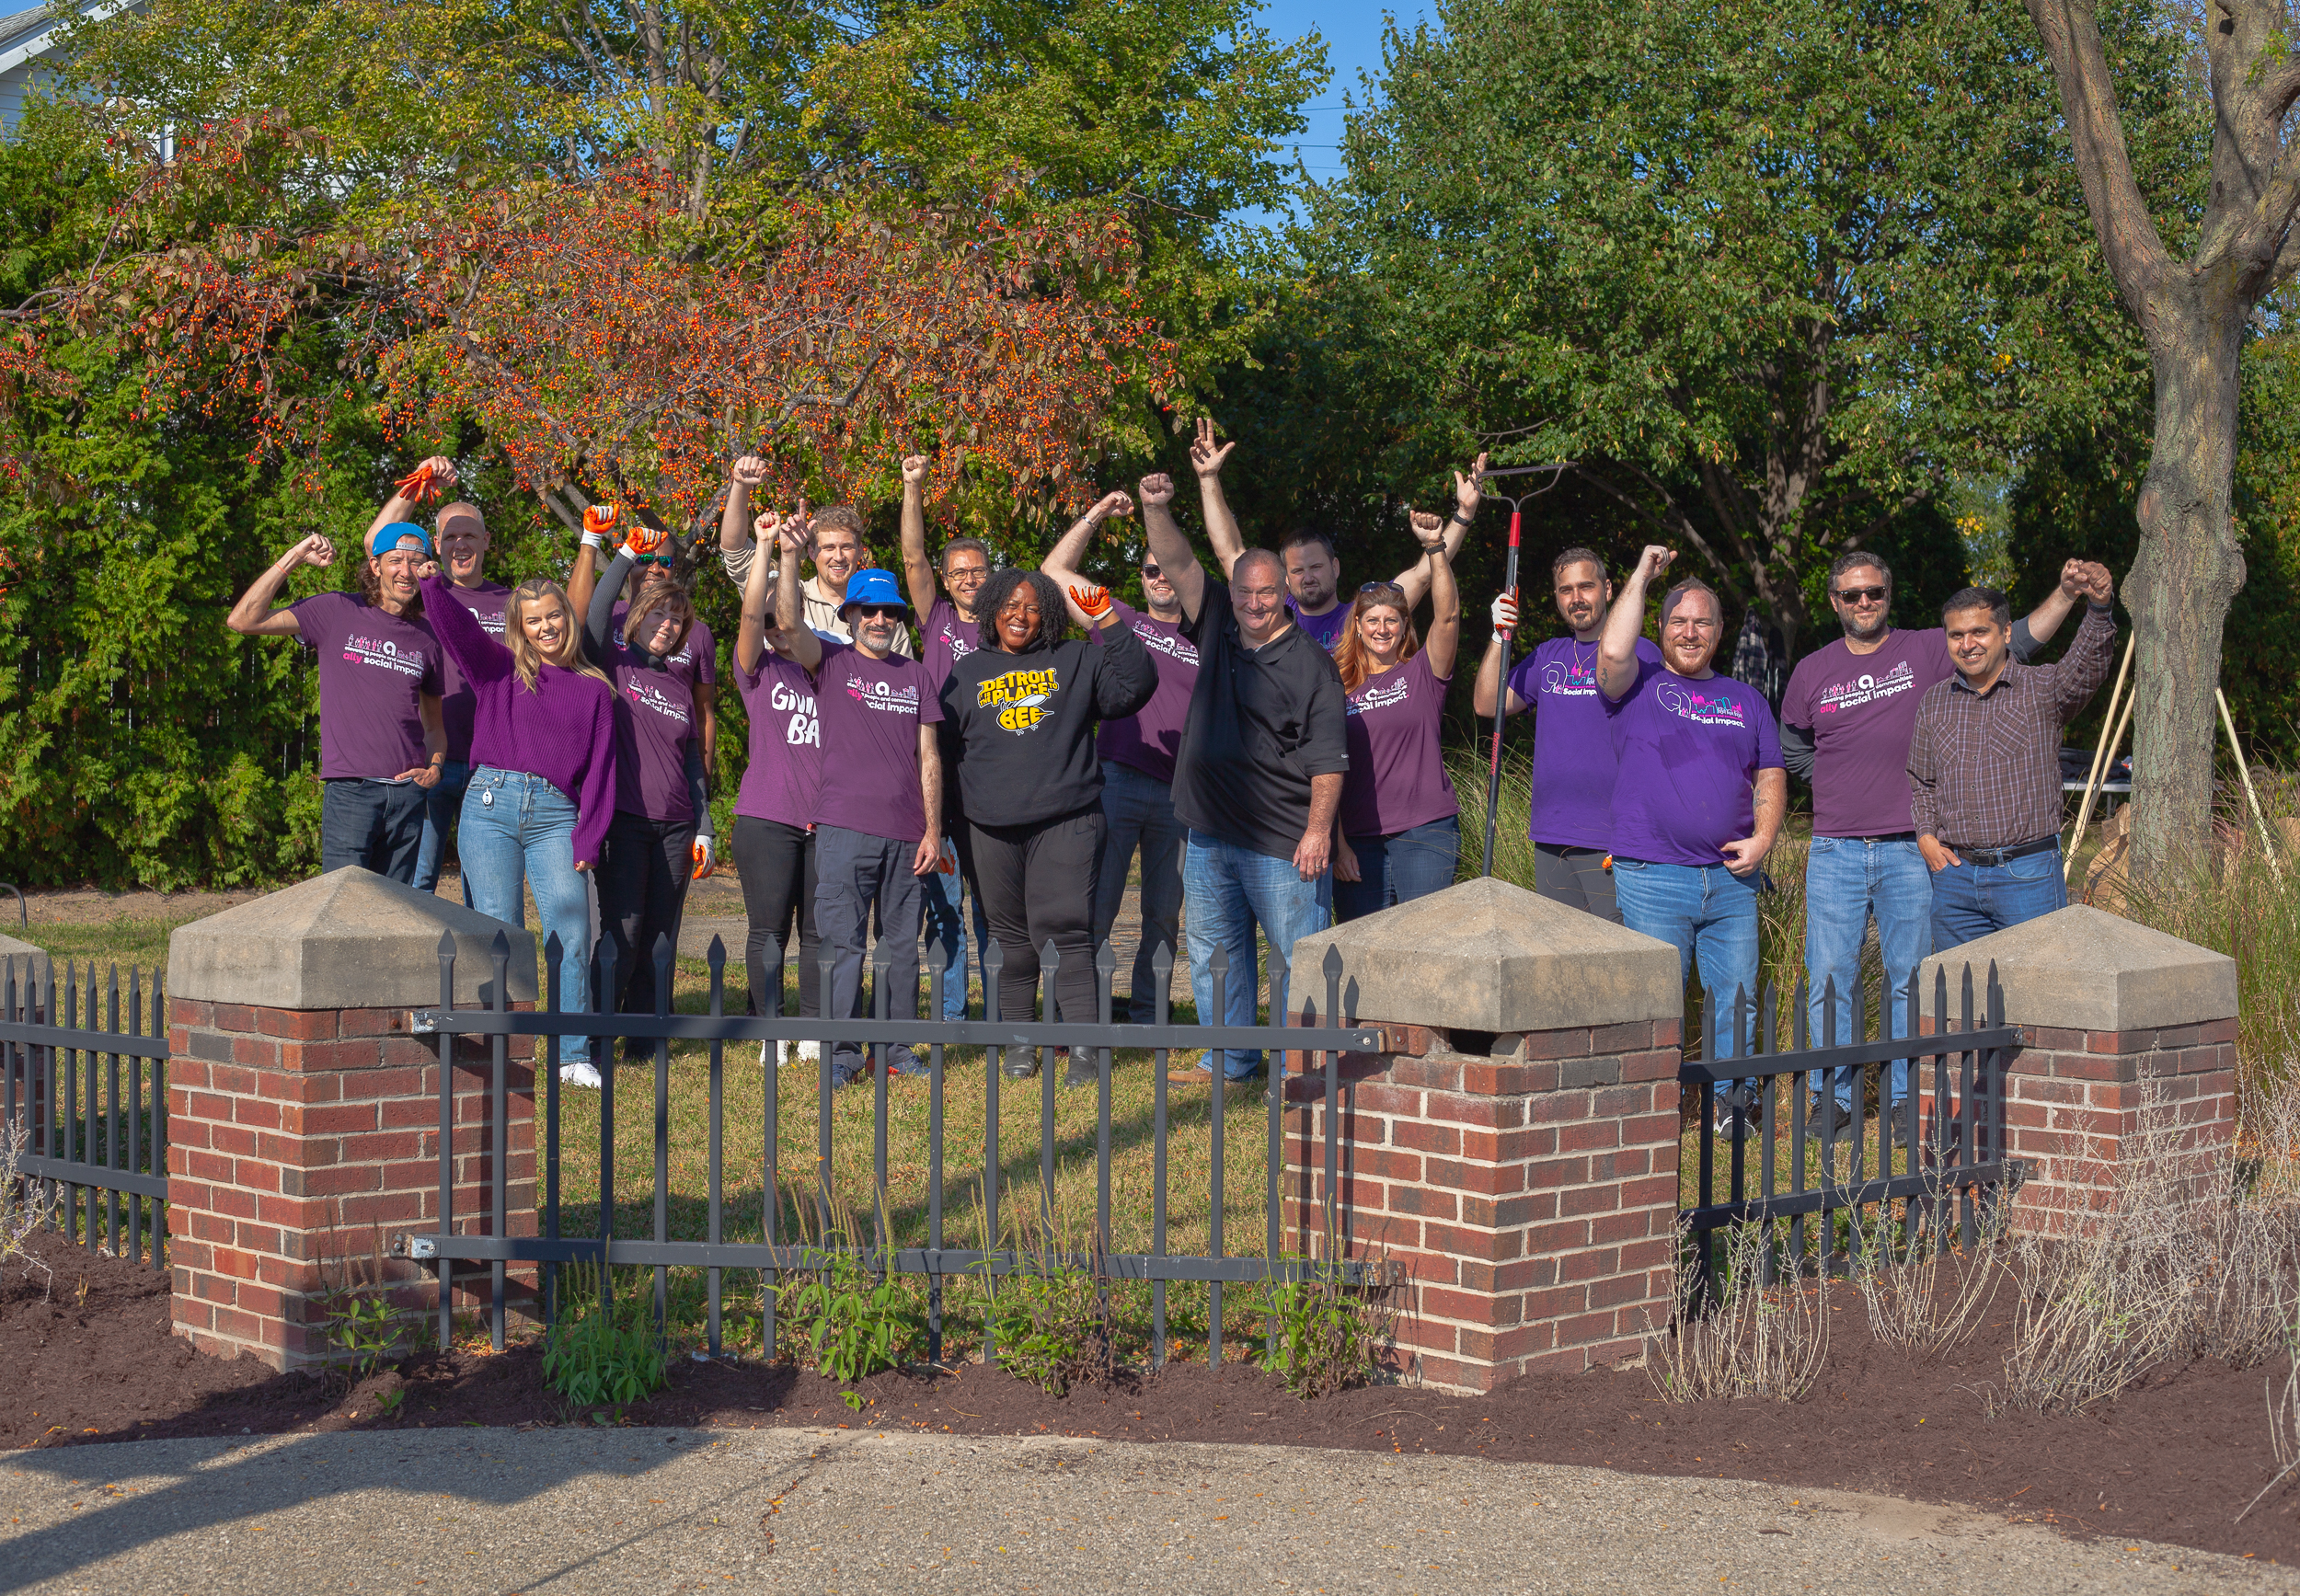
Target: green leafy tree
[1773, 275]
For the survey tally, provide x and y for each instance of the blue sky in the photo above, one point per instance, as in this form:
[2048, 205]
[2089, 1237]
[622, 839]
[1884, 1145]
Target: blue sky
[1352, 29]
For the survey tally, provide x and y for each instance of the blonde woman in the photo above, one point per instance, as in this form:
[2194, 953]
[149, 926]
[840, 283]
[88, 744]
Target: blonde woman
[543, 777]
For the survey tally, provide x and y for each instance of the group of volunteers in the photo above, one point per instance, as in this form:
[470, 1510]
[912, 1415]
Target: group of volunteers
[1270, 751]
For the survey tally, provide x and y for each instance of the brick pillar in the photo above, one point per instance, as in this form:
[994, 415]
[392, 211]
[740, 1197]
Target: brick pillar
[2112, 1015]
[304, 1120]
[1514, 1151]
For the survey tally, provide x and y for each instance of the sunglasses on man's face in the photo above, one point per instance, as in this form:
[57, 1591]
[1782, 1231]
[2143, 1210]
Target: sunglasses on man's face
[1858, 595]
[878, 612]
[665, 560]
[1151, 571]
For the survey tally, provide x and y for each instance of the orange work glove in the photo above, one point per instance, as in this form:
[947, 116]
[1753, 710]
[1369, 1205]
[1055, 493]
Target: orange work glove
[645, 540]
[419, 486]
[600, 518]
[706, 856]
[1095, 602]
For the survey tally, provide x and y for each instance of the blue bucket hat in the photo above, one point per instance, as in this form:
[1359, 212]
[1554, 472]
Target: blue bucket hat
[872, 587]
[387, 538]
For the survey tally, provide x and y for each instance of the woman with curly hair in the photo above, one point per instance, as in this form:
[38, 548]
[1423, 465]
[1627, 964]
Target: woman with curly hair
[1026, 706]
[543, 777]
[1400, 819]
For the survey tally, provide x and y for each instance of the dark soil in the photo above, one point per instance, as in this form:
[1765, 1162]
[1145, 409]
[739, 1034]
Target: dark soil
[2175, 1461]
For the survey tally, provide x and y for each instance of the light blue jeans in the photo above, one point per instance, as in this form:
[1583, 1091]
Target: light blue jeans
[1970, 900]
[444, 803]
[1399, 867]
[1704, 911]
[1847, 880]
[1226, 891]
[945, 926]
[1138, 812]
[516, 829]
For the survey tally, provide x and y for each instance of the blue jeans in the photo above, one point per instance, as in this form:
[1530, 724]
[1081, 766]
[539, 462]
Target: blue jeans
[1970, 900]
[1138, 812]
[445, 803]
[1848, 879]
[516, 829]
[946, 927]
[1399, 867]
[1227, 891]
[1703, 910]
[375, 824]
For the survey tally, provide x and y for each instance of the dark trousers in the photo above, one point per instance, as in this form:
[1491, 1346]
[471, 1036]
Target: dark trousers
[1037, 884]
[378, 824]
[855, 872]
[1576, 876]
[643, 876]
[777, 863]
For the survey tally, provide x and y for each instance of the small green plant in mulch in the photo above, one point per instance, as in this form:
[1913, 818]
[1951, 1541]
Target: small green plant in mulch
[1325, 1334]
[364, 1330]
[604, 1348]
[1050, 1321]
[857, 1321]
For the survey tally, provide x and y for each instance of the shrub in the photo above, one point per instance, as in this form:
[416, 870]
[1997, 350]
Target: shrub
[1754, 1339]
[607, 1352]
[26, 1204]
[1327, 1336]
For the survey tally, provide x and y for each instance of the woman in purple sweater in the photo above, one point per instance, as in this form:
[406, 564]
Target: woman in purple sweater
[542, 779]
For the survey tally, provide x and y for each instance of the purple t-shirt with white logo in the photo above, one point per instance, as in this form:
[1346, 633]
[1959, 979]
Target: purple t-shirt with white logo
[654, 721]
[374, 669]
[696, 663]
[1396, 778]
[1149, 739]
[870, 710]
[457, 705]
[1689, 752]
[945, 640]
[785, 775]
[1573, 748]
[1325, 630]
[1861, 710]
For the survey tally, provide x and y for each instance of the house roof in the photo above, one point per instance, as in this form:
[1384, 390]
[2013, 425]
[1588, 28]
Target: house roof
[19, 27]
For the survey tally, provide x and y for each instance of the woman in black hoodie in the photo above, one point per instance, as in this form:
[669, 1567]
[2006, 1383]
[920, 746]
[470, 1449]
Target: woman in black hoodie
[1024, 707]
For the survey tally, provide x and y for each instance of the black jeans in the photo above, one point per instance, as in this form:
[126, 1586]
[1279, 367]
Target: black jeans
[643, 876]
[378, 824]
[1037, 884]
[777, 863]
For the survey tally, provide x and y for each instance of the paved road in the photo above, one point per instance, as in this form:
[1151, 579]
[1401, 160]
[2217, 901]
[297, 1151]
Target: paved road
[646, 1510]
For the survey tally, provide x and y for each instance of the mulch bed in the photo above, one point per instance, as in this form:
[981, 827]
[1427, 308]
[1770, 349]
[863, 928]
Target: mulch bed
[2174, 1460]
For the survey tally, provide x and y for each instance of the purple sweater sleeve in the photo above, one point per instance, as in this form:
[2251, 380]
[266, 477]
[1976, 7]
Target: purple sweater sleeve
[594, 804]
[479, 657]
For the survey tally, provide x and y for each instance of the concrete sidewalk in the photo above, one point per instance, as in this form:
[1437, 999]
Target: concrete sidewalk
[630, 1511]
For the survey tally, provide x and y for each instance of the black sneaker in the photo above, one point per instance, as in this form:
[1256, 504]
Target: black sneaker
[1835, 1119]
[1021, 1063]
[1083, 1070]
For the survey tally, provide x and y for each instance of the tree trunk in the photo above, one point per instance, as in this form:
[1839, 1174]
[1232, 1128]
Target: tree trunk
[2188, 570]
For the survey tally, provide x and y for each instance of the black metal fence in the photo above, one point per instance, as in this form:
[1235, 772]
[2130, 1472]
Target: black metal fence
[1929, 1165]
[91, 1099]
[776, 1254]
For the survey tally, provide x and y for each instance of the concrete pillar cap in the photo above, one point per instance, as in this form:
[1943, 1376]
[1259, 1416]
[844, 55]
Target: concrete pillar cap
[348, 939]
[2082, 968]
[31, 963]
[1486, 956]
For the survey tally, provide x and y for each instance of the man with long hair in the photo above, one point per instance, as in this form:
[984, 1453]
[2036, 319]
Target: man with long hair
[382, 737]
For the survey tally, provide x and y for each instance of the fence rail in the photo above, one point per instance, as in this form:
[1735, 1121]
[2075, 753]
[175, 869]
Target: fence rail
[92, 1098]
[1945, 1126]
[879, 1034]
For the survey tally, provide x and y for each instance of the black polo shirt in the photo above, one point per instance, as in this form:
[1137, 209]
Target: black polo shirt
[1262, 721]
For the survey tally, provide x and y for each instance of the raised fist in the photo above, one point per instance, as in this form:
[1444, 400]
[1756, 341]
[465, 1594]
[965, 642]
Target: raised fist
[1654, 561]
[1157, 489]
[1111, 504]
[749, 471]
[645, 540]
[1428, 530]
[314, 550]
[600, 518]
[914, 470]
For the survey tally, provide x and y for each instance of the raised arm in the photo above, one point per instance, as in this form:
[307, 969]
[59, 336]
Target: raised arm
[2035, 629]
[1444, 640]
[918, 572]
[598, 620]
[1468, 496]
[2078, 674]
[1163, 536]
[253, 616]
[758, 596]
[599, 524]
[734, 520]
[478, 656]
[437, 474]
[1617, 650]
[1124, 679]
[794, 639]
[1062, 562]
[1221, 534]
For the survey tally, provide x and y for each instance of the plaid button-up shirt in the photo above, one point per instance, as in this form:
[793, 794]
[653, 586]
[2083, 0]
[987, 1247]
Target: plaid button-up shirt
[1985, 768]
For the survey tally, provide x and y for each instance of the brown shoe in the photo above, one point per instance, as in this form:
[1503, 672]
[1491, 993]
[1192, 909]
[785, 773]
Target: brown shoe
[1189, 1075]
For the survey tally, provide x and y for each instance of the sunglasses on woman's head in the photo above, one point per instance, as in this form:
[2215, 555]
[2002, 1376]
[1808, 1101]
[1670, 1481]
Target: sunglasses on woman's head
[1382, 588]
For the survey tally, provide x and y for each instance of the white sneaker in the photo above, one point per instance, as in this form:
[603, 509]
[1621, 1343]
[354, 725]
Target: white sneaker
[764, 1049]
[807, 1053]
[579, 1075]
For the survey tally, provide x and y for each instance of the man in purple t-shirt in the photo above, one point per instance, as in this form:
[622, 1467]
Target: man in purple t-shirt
[1845, 728]
[949, 635]
[1137, 755]
[382, 736]
[462, 540]
[1313, 597]
[877, 816]
[1699, 794]
[1569, 821]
